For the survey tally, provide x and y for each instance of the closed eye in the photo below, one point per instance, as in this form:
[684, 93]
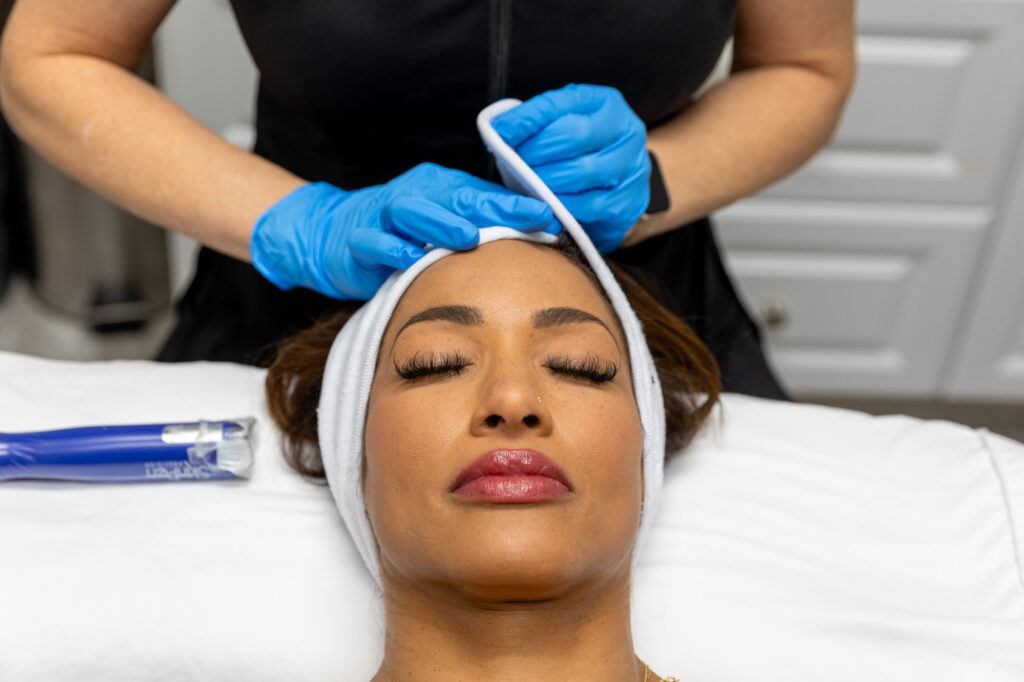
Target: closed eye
[431, 364]
[589, 368]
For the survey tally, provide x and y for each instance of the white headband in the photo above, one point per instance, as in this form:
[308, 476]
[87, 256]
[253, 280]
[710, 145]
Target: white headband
[348, 376]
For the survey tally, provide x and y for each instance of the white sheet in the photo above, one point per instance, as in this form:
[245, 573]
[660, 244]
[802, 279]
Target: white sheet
[794, 543]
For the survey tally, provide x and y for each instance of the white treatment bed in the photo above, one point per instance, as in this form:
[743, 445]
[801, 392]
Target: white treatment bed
[794, 543]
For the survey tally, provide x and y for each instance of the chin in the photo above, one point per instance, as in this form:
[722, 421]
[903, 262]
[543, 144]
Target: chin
[517, 567]
[517, 582]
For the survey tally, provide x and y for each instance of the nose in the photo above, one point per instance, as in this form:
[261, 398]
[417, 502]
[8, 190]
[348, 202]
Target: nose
[511, 405]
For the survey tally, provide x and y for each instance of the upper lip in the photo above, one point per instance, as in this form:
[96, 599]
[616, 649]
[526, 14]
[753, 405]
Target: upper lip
[510, 462]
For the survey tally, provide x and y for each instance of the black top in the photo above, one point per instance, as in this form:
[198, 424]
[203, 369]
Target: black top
[355, 92]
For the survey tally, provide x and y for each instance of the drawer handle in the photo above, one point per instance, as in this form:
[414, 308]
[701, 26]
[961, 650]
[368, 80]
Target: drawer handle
[774, 313]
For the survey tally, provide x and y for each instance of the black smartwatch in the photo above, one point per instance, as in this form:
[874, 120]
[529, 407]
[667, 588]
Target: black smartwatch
[659, 194]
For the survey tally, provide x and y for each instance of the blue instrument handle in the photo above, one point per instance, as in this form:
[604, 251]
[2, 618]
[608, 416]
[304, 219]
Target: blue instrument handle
[136, 452]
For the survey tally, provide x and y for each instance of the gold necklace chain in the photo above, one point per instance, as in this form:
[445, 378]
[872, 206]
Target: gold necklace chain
[647, 675]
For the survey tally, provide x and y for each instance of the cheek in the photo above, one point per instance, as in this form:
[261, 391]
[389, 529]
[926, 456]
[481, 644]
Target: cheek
[406, 430]
[404, 442]
[608, 428]
[608, 441]
[608, 437]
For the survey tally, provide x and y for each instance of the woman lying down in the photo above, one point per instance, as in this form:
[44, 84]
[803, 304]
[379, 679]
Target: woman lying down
[493, 426]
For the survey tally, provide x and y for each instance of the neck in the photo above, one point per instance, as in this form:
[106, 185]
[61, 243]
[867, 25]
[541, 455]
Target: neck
[436, 634]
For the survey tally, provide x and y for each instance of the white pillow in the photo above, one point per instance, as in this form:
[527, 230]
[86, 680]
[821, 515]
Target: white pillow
[794, 542]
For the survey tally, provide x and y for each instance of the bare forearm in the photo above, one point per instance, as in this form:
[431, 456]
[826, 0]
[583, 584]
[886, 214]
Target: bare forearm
[117, 134]
[740, 137]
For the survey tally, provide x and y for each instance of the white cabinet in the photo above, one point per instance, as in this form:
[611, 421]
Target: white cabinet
[989, 363]
[937, 98]
[864, 266]
[857, 300]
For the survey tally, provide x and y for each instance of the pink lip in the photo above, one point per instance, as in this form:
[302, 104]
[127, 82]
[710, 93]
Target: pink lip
[512, 477]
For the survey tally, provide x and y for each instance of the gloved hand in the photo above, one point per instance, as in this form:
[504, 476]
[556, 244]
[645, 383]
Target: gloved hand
[589, 147]
[345, 244]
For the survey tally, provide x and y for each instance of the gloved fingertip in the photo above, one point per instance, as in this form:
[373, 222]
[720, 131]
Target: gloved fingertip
[542, 213]
[500, 125]
[518, 124]
[470, 239]
[460, 234]
[505, 126]
[410, 255]
[554, 228]
[537, 217]
[461, 242]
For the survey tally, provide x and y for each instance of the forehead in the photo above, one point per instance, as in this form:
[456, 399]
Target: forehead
[505, 279]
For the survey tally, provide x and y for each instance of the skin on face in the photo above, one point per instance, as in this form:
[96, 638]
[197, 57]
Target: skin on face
[421, 433]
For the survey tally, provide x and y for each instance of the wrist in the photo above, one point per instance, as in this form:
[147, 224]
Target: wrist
[646, 227]
[659, 199]
[652, 220]
[286, 242]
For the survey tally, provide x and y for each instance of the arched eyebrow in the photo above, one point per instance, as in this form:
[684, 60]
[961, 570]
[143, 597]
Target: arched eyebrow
[470, 317]
[459, 314]
[550, 317]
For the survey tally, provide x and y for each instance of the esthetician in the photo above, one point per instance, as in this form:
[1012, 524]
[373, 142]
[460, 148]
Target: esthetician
[366, 148]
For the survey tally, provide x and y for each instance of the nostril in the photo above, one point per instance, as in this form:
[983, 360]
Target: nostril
[493, 420]
[531, 420]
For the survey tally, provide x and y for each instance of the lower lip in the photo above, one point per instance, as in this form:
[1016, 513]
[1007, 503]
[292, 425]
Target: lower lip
[513, 489]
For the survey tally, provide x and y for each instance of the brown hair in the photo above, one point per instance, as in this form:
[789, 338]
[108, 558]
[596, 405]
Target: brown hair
[690, 380]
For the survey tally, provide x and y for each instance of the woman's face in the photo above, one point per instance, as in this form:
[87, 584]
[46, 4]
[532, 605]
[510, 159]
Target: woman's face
[503, 443]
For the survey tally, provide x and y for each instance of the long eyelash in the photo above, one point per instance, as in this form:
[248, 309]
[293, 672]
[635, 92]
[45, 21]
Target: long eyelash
[434, 363]
[589, 368]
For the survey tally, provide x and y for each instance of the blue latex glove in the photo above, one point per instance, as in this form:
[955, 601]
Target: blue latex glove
[589, 147]
[345, 244]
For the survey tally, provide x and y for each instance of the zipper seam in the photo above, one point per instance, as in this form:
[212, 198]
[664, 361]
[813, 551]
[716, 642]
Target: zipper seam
[501, 28]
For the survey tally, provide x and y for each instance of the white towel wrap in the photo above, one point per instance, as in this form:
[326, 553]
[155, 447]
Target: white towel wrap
[348, 375]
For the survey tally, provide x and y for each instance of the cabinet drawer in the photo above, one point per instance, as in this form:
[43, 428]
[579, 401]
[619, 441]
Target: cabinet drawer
[937, 95]
[854, 299]
[818, 298]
